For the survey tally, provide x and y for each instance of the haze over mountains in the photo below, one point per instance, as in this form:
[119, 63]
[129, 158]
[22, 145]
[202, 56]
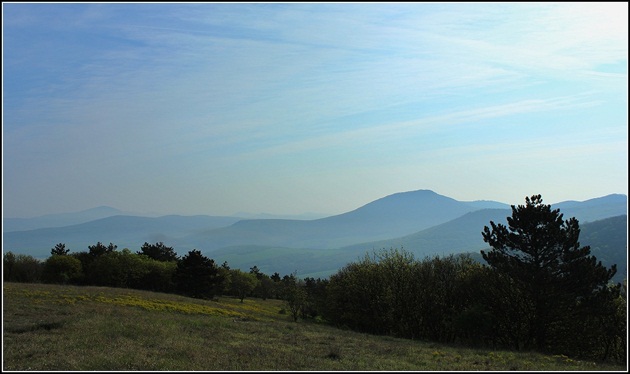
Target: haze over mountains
[422, 222]
[58, 220]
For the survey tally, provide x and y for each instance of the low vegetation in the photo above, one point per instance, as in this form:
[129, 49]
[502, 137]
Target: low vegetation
[84, 328]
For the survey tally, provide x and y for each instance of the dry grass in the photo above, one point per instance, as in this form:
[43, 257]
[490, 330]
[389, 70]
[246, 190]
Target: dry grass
[48, 327]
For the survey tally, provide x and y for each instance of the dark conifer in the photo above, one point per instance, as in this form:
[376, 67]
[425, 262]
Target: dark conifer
[540, 251]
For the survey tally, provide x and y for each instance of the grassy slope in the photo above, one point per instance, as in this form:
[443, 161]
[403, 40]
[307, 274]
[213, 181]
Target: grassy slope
[49, 327]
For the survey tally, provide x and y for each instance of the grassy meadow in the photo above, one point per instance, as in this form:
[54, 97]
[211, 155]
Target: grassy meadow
[70, 328]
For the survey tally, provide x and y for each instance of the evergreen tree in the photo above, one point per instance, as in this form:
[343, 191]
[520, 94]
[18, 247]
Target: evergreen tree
[158, 251]
[100, 249]
[541, 253]
[197, 275]
[60, 249]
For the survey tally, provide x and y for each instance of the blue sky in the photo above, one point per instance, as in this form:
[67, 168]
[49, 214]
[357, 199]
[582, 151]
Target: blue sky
[210, 108]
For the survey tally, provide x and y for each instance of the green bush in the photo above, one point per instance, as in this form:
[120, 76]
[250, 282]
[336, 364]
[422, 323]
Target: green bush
[62, 269]
[21, 268]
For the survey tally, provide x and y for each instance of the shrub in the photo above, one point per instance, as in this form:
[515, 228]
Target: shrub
[21, 268]
[61, 269]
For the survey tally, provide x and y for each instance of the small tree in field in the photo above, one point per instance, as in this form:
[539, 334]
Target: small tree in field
[241, 283]
[294, 295]
[540, 251]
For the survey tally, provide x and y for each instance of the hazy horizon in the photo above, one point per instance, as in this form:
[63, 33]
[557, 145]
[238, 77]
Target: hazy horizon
[304, 215]
[288, 108]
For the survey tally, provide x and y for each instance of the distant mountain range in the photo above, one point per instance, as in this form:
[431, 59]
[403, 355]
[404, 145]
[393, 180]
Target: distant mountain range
[124, 231]
[303, 216]
[607, 239]
[422, 222]
[58, 220]
[391, 216]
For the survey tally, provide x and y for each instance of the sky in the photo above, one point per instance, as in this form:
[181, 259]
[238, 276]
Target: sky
[286, 108]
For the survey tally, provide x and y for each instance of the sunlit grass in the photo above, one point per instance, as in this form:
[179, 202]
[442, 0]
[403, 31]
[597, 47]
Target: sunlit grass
[48, 327]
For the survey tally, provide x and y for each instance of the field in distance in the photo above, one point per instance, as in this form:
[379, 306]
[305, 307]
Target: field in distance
[53, 327]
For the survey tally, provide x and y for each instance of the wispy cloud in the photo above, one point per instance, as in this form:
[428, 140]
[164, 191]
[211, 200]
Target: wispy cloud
[448, 122]
[239, 83]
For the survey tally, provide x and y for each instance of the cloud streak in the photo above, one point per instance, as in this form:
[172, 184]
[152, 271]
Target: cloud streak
[142, 89]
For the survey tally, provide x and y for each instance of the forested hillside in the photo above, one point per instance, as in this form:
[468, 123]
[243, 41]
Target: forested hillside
[608, 239]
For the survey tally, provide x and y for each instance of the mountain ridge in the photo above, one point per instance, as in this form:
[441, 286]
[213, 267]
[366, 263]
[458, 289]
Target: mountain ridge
[391, 217]
[103, 211]
[58, 219]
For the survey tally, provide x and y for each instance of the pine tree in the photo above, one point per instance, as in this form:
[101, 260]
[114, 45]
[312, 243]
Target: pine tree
[60, 249]
[540, 251]
[158, 251]
[197, 276]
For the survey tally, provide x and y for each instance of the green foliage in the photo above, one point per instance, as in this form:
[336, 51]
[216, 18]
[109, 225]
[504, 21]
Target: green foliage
[62, 269]
[241, 283]
[197, 276]
[455, 299]
[86, 260]
[125, 269]
[158, 276]
[496, 296]
[356, 298]
[315, 304]
[59, 249]
[264, 285]
[108, 269]
[474, 325]
[294, 295]
[8, 266]
[158, 251]
[100, 249]
[597, 329]
[395, 271]
[392, 293]
[555, 277]
[21, 268]
[443, 290]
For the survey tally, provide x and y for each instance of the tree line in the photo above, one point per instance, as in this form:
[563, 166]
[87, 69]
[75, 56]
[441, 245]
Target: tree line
[538, 290]
[156, 267]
